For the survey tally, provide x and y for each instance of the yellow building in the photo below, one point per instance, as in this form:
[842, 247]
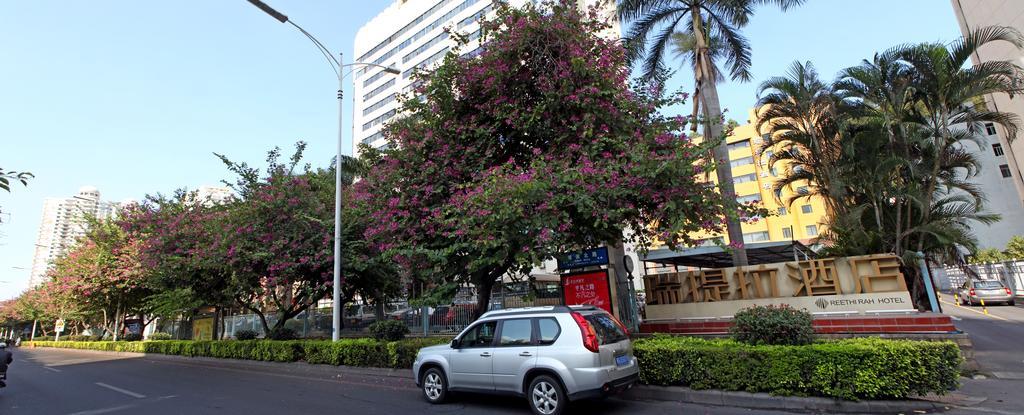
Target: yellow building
[754, 180]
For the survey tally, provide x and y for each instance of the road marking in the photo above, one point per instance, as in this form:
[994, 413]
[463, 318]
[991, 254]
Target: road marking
[117, 389]
[51, 369]
[104, 410]
[976, 311]
[955, 318]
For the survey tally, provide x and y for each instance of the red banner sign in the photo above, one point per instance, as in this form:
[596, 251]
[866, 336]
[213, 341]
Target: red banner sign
[588, 288]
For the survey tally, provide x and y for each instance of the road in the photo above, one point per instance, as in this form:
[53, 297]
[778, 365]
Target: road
[53, 381]
[998, 339]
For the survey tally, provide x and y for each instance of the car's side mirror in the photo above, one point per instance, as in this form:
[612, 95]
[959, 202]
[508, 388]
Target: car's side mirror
[456, 343]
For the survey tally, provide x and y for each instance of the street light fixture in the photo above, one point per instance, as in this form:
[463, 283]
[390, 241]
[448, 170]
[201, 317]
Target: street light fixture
[337, 66]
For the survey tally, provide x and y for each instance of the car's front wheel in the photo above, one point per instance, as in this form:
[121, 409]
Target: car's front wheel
[435, 386]
[546, 396]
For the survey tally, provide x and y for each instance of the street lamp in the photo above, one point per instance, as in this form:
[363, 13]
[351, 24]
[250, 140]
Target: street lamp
[337, 67]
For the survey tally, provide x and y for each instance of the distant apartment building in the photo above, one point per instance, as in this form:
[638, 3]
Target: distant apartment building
[212, 195]
[63, 223]
[410, 35]
[1001, 175]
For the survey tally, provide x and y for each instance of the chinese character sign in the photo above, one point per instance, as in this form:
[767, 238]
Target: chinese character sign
[589, 288]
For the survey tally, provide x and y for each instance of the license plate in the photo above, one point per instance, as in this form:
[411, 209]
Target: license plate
[622, 360]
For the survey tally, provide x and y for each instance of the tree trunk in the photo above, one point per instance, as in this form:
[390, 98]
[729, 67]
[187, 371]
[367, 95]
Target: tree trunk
[483, 296]
[713, 131]
[216, 324]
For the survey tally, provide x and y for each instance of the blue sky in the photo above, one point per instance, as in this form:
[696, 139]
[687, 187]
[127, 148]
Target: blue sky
[134, 97]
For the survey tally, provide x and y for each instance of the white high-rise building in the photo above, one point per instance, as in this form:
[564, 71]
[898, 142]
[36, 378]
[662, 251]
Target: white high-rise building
[410, 34]
[1002, 160]
[63, 224]
[213, 195]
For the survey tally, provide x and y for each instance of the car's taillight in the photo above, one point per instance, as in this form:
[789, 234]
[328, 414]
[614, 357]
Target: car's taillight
[589, 335]
[971, 292]
[1007, 290]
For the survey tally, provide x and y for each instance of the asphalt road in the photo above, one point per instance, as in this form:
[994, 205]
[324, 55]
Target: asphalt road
[52, 381]
[998, 339]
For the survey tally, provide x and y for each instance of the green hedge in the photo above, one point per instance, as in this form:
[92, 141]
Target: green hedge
[348, 352]
[867, 368]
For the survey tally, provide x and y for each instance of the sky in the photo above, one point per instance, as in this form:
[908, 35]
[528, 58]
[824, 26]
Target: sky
[135, 97]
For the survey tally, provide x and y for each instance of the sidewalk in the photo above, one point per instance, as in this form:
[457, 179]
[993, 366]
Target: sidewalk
[402, 378]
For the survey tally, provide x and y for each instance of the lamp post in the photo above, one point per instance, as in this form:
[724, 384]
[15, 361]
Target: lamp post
[337, 67]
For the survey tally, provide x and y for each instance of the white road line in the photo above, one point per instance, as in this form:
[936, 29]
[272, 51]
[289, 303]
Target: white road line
[104, 410]
[117, 389]
[51, 369]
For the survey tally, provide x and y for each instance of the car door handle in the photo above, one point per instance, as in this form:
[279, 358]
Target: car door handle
[485, 354]
[526, 354]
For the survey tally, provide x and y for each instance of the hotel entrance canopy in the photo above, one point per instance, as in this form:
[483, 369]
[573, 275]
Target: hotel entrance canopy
[717, 257]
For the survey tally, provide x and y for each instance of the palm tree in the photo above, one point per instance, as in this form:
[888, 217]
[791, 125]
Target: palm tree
[947, 89]
[703, 20]
[805, 121]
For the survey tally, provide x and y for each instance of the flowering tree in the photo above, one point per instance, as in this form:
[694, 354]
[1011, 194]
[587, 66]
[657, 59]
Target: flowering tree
[102, 274]
[279, 240]
[181, 240]
[534, 147]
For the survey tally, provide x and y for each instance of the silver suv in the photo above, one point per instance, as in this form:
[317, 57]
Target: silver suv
[550, 355]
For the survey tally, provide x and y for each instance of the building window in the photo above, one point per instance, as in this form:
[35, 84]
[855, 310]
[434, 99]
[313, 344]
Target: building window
[745, 178]
[787, 233]
[756, 197]
[990, 128]
[806, 209]
[812, 230]
[782, 211]
[755, 237]
[743, 161]
[379, 89]
[379, 104]
[1005, 170]
[739, 145]
[998, 149]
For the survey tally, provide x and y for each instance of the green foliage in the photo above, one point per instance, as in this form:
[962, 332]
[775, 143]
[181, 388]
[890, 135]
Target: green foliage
[781, 325]
[1015, 248]
[389, 330]
[246, 335]
[988, 255]
[160, 336]
[133, 337]
[348, 352]
[282, 333]
[79, 338]
[867, 368]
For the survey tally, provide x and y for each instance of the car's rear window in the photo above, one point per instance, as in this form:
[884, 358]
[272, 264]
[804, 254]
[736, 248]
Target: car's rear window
[988, 284]
[607, 330]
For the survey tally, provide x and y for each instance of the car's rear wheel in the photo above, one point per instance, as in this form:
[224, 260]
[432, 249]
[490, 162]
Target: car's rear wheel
[546, 396]
[435, 386]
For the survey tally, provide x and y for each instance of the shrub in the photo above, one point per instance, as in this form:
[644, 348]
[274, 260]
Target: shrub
[782, 325]
[868, 368]
[160, 336]
[133, 337]
[77, 338]
[389, 330]
[349, 352]
[282, 333]
[245, 335]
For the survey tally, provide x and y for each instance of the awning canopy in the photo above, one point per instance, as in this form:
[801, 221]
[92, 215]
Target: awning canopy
[717, 257]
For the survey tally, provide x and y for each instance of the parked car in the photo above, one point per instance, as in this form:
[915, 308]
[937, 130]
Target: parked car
[550, 355]
[973, 291]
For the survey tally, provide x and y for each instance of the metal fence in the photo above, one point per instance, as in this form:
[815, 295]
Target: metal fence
[440, 320]
[1011, 273]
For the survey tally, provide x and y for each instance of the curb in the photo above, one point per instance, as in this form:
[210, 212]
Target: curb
[771, 402]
